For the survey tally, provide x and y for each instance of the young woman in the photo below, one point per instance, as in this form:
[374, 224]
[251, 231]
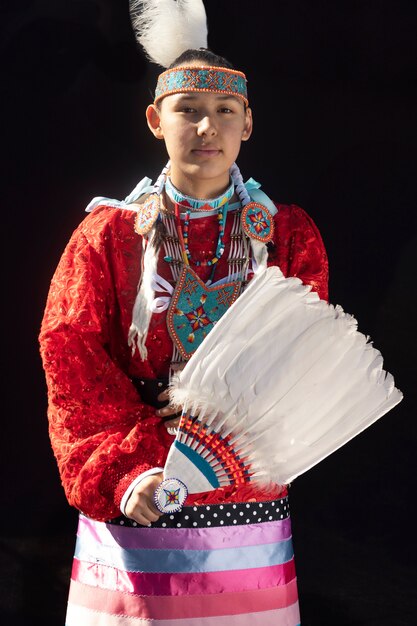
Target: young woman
[121, 316]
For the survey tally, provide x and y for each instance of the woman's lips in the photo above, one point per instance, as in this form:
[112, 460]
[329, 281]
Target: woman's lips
[206, 152]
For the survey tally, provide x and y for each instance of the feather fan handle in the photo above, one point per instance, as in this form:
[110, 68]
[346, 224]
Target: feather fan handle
[166, 28]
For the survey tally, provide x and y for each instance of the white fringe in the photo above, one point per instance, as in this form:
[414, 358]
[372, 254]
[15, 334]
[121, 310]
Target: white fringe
[142, 309]
[166, 28]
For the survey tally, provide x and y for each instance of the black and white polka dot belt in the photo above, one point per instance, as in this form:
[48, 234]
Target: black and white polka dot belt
[229, 514]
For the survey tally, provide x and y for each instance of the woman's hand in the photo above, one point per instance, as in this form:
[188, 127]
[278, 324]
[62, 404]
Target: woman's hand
[140, 505]
[170, 414]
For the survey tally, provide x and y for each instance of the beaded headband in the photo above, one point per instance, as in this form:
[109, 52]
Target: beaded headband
[202, 79]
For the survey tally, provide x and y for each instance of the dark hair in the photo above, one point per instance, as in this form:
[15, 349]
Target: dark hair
[201, 54]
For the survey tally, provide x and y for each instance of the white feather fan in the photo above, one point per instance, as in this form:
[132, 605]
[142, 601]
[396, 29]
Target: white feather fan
[166, 28]
[282, 381]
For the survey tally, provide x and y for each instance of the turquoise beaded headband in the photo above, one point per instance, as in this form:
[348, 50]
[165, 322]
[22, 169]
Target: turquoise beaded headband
[202, 79]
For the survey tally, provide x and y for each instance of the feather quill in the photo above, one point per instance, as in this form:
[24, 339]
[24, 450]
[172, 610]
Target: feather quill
[166, 28]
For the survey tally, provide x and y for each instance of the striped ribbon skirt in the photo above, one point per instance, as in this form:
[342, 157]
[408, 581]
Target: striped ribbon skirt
[209, 565]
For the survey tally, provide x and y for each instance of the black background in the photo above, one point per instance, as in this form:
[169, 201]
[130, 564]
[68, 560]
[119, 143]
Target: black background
[333, 89]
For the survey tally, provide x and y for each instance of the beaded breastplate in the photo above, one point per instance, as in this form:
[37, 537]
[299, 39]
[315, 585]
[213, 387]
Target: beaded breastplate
[195, 308]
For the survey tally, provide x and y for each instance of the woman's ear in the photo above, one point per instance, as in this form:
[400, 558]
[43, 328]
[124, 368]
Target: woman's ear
[154, 121]
[247, 129]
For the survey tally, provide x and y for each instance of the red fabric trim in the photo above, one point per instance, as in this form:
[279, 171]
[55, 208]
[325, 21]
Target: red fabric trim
[245, 493]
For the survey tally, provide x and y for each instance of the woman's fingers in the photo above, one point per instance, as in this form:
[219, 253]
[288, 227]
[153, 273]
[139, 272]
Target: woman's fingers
[173, 422]
[146, 515]
[144, 518]
[171, 425]
[163, 396]
[142, 513]
[169, 412]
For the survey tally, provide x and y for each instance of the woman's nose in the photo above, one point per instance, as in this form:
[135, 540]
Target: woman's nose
[206, 127]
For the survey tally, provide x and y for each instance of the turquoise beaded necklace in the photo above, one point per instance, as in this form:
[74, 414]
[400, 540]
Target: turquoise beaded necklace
[198, 204]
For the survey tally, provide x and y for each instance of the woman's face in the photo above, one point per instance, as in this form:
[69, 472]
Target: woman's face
[202, 134]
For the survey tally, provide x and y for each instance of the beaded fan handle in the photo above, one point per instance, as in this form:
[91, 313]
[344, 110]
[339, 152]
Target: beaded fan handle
[200, 459]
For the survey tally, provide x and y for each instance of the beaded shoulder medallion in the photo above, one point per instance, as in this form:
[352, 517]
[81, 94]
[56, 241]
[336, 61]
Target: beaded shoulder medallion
[257, 222]
[147, 214]
[195, 308]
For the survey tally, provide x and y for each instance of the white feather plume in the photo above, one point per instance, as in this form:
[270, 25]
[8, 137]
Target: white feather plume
[287, 376]
[166, 28]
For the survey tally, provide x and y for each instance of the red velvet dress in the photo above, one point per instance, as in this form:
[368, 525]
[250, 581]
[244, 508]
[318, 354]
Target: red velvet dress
[102, 434]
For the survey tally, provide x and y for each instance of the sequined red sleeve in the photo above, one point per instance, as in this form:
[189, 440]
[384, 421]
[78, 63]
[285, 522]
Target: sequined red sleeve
[299, 250]
[101, 434]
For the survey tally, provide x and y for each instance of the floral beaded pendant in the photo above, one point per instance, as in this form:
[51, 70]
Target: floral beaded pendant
[195, 308]
[257, 222]
[147, 214]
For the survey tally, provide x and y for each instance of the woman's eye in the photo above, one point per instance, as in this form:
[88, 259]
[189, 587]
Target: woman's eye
[188, 110]
[226, 110]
